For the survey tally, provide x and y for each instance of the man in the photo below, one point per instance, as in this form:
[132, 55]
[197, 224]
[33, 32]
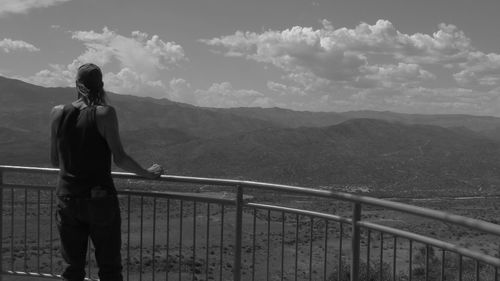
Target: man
[84, 136]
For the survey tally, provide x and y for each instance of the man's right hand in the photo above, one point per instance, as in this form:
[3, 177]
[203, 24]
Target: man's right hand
[155, 171]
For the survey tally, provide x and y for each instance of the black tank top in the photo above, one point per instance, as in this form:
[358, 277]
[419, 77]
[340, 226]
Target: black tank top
[84, 155]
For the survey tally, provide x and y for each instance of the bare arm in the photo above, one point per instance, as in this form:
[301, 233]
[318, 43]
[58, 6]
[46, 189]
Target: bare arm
[55, 118]
[107, 124]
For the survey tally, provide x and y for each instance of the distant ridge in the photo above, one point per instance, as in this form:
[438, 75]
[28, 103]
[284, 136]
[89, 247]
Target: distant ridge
[27, 106]
[488, 126]
[383, 151]
[17, 96]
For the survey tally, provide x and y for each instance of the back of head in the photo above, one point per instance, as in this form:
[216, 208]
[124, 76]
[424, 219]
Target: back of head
[89, 84]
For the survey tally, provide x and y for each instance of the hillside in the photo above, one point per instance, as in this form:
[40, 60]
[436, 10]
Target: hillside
[367, 152]
[26, 107]
[20, 147]
[144, 122]
[392, 152]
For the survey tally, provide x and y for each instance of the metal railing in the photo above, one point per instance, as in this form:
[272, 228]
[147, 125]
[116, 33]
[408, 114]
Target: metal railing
[172, 235]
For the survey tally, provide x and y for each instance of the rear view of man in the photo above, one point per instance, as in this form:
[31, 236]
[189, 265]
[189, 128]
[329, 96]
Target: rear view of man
[84, 138]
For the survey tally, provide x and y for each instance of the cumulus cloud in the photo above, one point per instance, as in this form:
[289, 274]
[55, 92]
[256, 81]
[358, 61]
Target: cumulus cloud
[402, 73]
[224, 95]
[480, 71]
[141, 60]
[138, 52]
[296, 49]
[348, 55]
[7, 45]
[56, 76]
[447, 45]
[181, 91]
[372, 66]
[365, 67]
[128, 81]
[23, 6]
[400, 97]
[285, 90]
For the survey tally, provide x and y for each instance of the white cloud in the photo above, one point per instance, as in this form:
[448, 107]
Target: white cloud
[23, 6]
[224, 95]
[143, 55]
[56, 76]
[8, 45]
[447, 45]
[285, 90]
[297, 49]
[351, 55]
[127, 81]
[141, 62]
[180, 90]
[480, 71]
[399, 97]
[366, 67]
[394, 75]
[372, 66]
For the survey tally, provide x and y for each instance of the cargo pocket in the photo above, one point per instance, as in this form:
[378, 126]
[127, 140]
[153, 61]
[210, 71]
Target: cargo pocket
[103, 210]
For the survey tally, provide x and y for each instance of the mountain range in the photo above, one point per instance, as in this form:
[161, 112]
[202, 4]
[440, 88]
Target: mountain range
[485, 125]
[379, 150]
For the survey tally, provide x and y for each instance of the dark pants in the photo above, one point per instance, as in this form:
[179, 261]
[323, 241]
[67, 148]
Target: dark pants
[81, 218]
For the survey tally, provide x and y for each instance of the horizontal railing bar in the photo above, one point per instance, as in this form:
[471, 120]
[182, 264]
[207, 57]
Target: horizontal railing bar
[194, 180]
[401, 207]
[24, 169]
[23, 186]
[32, 274]
[431, 241]
[300, 212]
[177, 195]
[158, 194]
[35, 274]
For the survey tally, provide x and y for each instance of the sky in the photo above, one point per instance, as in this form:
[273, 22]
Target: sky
[440, 56]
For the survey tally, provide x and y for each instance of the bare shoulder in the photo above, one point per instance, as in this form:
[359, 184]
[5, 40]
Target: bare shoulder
[57, 108]
[105, 111]
[106, 117]
[57, 111]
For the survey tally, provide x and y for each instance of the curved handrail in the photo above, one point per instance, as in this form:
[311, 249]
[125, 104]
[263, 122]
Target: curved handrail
[475, 224]
[355, 221]
[431, 241]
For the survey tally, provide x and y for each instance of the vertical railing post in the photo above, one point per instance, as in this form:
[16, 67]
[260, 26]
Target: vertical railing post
[238, 234]
[1, 224]
[355, 242]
